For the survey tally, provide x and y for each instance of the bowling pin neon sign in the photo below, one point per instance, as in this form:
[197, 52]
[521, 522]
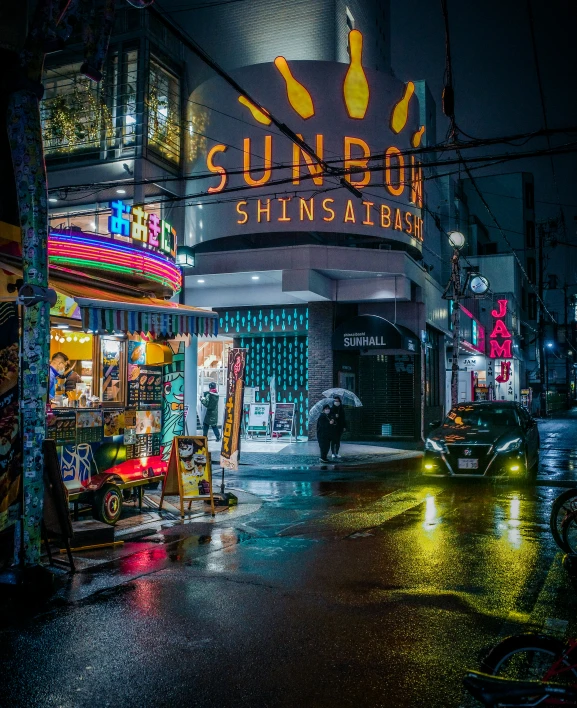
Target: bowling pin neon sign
[500, 339]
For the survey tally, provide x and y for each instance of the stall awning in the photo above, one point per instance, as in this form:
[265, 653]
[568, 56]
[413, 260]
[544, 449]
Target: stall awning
[106, 312]
[102, 316]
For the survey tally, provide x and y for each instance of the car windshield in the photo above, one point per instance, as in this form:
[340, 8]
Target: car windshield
[477, 417]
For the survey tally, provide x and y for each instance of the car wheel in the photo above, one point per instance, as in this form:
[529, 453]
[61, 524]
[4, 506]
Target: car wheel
[107, 504]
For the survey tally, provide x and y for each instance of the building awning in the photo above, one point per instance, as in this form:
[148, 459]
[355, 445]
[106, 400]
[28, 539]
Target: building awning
[106, 312]
[367, 332]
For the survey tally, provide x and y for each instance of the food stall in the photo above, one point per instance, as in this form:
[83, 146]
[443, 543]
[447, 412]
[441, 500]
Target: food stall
[117, 350]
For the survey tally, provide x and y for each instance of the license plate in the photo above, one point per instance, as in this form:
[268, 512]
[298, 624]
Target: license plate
[467, 464]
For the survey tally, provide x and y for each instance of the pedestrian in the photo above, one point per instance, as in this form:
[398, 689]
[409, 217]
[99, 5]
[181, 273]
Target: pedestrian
[210, 402]
[338, 414]
[325, 428]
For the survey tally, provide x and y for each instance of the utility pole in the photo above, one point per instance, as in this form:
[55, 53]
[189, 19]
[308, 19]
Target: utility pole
[543, 373]
[51, 26]
[454, 293]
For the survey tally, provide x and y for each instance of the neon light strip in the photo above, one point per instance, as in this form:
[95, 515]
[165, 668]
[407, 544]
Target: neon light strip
[89, 253]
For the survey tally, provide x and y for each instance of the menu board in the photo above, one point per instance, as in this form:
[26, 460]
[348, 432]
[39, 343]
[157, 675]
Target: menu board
[284, 414]
[145, 386]
[61, 426]
[147, 445]
[113, 422]
[110, 360]
[89, 427]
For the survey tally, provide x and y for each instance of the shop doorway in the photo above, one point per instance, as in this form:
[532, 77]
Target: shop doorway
[388, 387]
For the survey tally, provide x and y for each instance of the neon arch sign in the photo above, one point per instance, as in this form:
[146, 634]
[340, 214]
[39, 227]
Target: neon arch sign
[500, 339]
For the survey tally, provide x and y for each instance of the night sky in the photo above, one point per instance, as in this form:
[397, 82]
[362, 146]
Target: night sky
[496, 88]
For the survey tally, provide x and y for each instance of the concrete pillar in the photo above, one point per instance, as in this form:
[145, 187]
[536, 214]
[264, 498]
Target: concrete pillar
[320, 353]
[190, 382]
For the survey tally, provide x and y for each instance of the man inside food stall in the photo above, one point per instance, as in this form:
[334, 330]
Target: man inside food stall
[62, 373]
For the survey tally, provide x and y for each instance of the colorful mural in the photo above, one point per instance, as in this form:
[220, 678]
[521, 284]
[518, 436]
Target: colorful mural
[172, 400]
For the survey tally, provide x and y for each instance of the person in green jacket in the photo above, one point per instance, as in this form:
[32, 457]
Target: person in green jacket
[210, 402]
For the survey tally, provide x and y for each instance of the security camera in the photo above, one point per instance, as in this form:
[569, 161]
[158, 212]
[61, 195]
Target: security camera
[29, 295]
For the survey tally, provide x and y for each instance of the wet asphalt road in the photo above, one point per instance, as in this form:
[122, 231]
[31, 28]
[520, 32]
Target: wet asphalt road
[343, 589]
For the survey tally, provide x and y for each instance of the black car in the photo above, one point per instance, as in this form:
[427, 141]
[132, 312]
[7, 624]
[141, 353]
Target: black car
[485, 439]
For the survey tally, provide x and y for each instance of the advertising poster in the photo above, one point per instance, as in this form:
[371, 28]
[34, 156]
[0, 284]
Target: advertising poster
[258, 416]
[284, 415]
[189, 471]
[113, 423]
[61, 426]
[233, 408]
[89, 426]
[110, 369]
[136, 359]
[10, 445]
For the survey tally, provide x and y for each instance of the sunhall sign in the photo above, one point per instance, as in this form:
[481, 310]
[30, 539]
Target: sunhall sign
[367, 332]
[254, 180]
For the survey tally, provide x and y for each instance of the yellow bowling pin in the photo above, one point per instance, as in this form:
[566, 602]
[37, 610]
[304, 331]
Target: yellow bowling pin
[257, 114]
[299, 98]
[417, 137]
[401, 110]
[356, 86]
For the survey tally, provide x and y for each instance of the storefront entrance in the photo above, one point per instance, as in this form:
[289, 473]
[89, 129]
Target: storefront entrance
[382, 360]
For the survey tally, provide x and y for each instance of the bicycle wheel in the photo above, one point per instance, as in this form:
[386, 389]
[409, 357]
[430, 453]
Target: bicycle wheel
[570, 532]
[565, 504]
[527, 657]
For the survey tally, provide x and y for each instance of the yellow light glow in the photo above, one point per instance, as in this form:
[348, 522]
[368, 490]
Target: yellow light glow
[428, 467]
[298, 96]
[400, 112]
[417, 136]
[257, 114]
[515, 468]
[430, 510]
[356, 87]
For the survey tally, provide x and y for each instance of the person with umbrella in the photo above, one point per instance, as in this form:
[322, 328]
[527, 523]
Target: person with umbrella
[325, 431]
[340, 425]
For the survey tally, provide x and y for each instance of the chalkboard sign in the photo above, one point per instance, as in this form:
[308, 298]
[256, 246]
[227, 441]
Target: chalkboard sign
[61, 426]
[284, 415]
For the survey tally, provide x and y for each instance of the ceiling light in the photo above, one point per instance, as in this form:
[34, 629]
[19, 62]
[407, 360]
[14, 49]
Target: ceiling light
[53, 200]
[255, 277]
[121, 191]
[200, 281]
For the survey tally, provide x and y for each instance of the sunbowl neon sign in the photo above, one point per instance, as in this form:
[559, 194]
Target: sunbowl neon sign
[500, 339]
[363, 122]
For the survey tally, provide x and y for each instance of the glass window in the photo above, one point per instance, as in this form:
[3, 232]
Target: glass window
[164, 113]
[76, 112]
[128, 98]
[111, 370]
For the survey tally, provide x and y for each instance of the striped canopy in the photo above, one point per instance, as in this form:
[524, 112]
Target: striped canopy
[117, 319]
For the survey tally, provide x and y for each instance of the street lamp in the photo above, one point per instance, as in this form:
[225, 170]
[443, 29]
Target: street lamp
[456, 239]
[185, 256]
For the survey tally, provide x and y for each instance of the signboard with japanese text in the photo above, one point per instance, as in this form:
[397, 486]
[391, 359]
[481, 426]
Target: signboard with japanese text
[189, 471]
[233, 409]
[284, 415]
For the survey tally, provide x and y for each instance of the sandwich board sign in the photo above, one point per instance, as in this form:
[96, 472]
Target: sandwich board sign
[189, 472]
[284, 416]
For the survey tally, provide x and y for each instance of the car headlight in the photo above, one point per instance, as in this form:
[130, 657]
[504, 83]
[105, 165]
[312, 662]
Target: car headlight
[510, 445]
[435, 445]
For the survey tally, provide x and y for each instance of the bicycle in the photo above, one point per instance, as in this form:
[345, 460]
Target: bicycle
[564, 515]
[493, 692]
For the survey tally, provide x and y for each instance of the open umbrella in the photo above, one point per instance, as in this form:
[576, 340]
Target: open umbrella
[317, 409]
[347, 397]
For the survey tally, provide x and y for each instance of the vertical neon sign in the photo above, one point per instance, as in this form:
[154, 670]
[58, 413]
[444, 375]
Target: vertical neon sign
[500, 339]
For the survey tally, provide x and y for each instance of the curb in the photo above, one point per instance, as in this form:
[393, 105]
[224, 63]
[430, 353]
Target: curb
[401, 462]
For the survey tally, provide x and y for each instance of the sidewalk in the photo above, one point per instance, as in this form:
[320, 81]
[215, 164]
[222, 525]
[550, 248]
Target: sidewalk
[304, 454]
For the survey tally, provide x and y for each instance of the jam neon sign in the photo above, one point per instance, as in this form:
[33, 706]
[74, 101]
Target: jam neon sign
[148, 229]
[500, 339]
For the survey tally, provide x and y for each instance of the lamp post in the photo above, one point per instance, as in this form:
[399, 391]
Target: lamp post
[453, 291]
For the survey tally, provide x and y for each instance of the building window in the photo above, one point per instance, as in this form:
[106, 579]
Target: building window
[530, 234]
[76, 113]
[529, 195]
[164, 113]
[350, 20]
[128, 92]
[532, 306]
[531, 270]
